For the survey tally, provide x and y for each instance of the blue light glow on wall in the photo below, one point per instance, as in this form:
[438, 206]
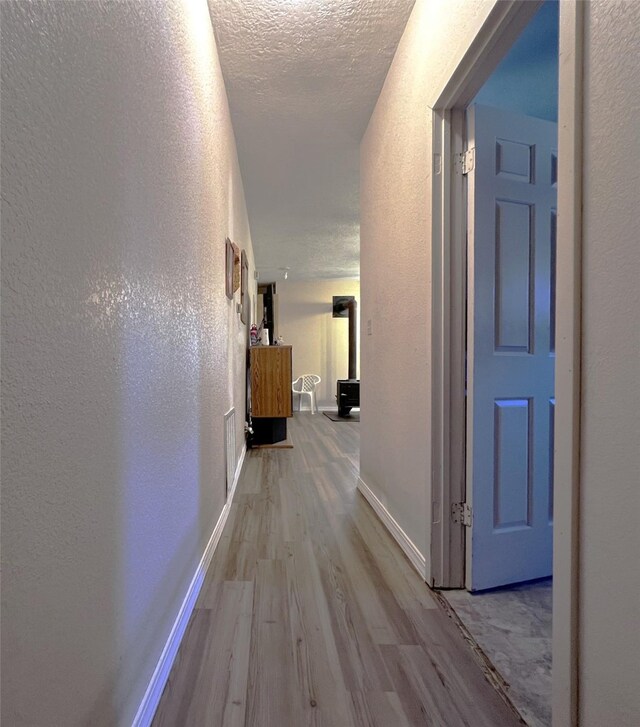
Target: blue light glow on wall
[526, 80]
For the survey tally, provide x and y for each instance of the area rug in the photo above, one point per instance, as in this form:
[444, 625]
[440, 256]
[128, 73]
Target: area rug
[354, 416]
[277, 445]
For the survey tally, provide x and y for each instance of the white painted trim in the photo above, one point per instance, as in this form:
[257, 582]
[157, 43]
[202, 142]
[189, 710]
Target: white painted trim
[236, 477]
[152, 696]
[335, 408]
[502, 27]
[409, 548]
[322, 408]
[448, 351]
[565, 696]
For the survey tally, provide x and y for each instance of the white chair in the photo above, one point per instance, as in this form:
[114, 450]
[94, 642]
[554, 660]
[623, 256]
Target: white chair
[306, 384]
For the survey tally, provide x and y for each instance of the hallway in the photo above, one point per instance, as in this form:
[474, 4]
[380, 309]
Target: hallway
[310, 613]
[161, 163]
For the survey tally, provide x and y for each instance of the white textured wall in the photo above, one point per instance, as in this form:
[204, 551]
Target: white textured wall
[121, 353]
[395, 261]
[609, 608]
[395, 266]
[320, 342]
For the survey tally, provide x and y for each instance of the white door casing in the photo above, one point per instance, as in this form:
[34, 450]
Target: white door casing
[510, 346]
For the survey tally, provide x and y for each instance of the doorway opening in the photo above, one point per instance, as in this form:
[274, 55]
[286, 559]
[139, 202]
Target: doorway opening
[502, 559]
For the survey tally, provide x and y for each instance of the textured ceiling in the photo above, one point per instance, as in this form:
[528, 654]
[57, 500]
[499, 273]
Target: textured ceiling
[302, 78]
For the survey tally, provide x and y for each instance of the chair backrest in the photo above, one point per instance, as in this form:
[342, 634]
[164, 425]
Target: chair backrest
[306, 382]
[310, 381]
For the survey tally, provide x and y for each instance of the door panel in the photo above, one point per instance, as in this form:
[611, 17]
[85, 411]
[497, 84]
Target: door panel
[513, 276]
[512, 472]
[511, 231]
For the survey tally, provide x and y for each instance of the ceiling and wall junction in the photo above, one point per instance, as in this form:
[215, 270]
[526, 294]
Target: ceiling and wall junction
[302, 78]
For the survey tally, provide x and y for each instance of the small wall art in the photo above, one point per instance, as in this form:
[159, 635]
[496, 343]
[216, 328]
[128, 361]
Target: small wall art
[244, 293]
[236, 267]
[229, 263]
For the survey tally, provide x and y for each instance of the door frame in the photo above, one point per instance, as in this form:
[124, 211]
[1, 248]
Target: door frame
[501, 29]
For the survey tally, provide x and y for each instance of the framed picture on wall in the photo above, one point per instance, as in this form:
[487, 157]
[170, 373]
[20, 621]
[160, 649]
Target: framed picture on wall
[236, 267]
[244, 293]
[229, 260]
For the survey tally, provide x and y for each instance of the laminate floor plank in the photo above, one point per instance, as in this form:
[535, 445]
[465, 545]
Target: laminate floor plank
[271, 699]
[252, 475]
[378, 709]
[362, 663]
[214, 664]
[374, 594]
[224, 674]
[294, 520]
[310, 615]
[386, 621]
[448, 654]
[324, 487]
[178, 693]
[318, 671]
[422, 698]
[396, 571]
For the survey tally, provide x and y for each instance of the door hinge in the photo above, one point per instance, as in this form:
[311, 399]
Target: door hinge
[461, 513]
[467, 161]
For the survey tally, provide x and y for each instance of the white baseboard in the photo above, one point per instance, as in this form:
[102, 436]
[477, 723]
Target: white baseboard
[335, 408]
[322, 407]
[152, 696]
[409, 548]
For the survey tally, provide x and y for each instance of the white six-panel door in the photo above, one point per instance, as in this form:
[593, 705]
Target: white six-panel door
[510, 347]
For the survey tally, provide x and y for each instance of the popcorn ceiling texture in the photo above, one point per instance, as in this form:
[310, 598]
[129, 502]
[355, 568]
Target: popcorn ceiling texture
[121, 353]
[303, 77]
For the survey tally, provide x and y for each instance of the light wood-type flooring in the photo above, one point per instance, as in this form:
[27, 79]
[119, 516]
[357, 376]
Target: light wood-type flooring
[311, 615]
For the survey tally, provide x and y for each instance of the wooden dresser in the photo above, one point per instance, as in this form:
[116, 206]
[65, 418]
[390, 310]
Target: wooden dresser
[271, 396]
